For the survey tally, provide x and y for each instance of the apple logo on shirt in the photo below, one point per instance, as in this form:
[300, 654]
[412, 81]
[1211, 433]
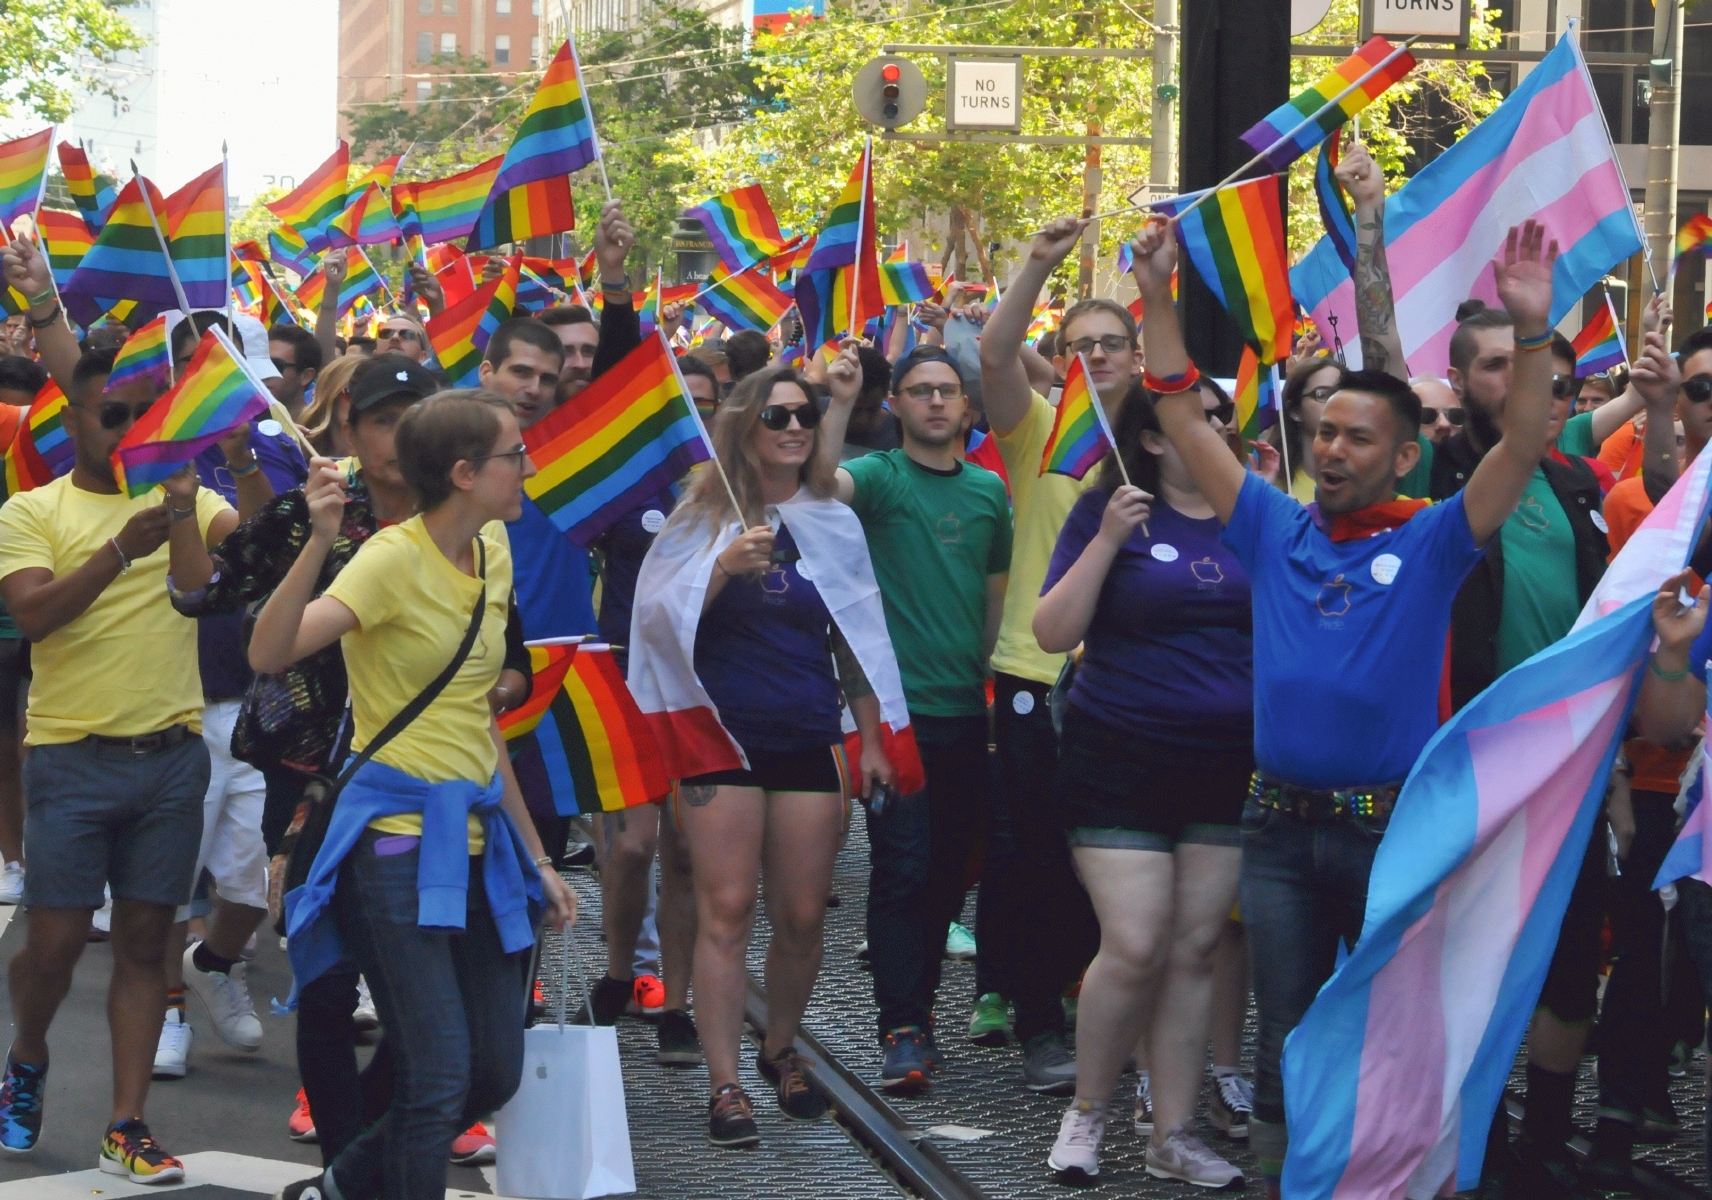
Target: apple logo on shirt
[1333, 600]
[1207, 571]
[950, 529]
[1533, 514]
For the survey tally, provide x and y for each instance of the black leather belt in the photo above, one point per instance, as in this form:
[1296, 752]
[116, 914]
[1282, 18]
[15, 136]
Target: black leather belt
[1307, 804]
[147, 743]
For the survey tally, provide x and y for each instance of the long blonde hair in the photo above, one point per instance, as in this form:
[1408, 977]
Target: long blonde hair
[330, 384]
[733, 436]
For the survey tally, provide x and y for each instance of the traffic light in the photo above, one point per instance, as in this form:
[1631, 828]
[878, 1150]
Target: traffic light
[889, 91]
[890, 74]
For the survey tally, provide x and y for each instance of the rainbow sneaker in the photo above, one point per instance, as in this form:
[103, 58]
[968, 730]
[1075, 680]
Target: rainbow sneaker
[21, 1107]
[131, 1150]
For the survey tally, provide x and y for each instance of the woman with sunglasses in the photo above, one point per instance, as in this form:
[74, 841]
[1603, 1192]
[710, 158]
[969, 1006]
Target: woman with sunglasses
[430, 863]
[1156, 754]
[1309, 385]
[733, 641]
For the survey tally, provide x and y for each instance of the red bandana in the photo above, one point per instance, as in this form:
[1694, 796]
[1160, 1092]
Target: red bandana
[1375, 518]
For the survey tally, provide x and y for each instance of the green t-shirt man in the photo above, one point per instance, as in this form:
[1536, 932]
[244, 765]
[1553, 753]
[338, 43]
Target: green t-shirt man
[934, 537]
[1540, 598]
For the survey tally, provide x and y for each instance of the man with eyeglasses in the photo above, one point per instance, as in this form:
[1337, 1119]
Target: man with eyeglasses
[297, 357]
[939, 532]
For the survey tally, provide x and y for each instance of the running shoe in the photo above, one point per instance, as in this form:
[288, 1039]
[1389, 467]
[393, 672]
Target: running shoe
[21, 1094]
[904, 1069]
[364, 1016]
[1144, 1106]
[862, 954]
[990, 1023]
[300, 1125]
[930, 1050]
[650, 995]
[610, 997]
[101, 921]
[798, 1097]
[131, 1150]
[579, 855]
[731, 1119]
[1680, 1057]
[1185, 1156]
[12, 883]
[473, 1147]
[679, 1045]
[1233, 1101]
[226, 1000]
[1075, 1157]
[959, 944]
[1047, 1064]
[313, 1188]
[172, 1052]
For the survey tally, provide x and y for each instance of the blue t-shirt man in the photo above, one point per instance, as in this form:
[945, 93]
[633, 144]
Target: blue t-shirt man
[1349, 636]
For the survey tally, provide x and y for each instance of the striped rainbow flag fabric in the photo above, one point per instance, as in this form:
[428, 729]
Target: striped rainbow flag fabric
[92, 202]
[194, 219]
[66, 238]
[145, 355]
[442, 210]
[366, 221]
[1599, 345]
[126, 262]
[461, 332]
[312, 204]
[23, 172]
[41, 451]
[744, 299]
[741, 225]
[1292, 129]
[1080, 433]
[1236, 241]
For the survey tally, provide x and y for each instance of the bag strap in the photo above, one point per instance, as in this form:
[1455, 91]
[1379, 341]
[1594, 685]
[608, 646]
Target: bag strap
[427, 695]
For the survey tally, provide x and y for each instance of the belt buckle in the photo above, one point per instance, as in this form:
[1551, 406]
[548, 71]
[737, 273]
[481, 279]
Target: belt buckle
[147, 743]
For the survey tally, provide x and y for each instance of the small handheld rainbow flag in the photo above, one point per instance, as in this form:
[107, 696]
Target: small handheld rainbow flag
[145, 355]
[127, 261]
[66, 238]
[194, 220]
[1256, 394]
[94, 204]
[23, 174]
[741, 225]
[626, 436]
[290, 250]
[794, 257]
[904, 283]
[744, 300]
[1334, 205]
[380, 174]
[1236, 241]
[1080, 433]
[1291, 130]
[317, 200]
[441, 210]
[460, 333]
[366, 221]
[216, 395]
[1695, 234]
[42, 450]
[1599, 345]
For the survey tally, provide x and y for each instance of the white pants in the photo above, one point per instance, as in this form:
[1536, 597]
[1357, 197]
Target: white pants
[232, 849]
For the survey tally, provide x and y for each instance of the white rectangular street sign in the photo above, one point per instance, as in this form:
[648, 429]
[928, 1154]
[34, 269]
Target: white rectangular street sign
[984, 94]
[1437, 20]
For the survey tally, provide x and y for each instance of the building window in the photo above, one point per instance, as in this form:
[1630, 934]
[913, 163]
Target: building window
[448, 44]
[534, 8]
[424, 47]
[424, 8]
[424, 90]
[449, 7]
[502, 50]
[535, 51]
[502, 8]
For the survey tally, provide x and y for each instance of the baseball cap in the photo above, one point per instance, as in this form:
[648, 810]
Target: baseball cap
[914, 359]
[252, 336]
[387, 377]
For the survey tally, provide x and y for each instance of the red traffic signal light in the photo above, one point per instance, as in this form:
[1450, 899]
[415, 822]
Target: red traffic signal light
[890, 73]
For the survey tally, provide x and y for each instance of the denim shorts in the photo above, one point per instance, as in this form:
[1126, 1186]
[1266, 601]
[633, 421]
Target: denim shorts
[101, 815]
[1118, 790]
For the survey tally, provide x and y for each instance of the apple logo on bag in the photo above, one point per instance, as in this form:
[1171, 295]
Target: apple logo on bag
[540, 1070]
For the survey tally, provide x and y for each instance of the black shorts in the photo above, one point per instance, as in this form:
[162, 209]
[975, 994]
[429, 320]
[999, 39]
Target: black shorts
[14, 682]
[1571, 990]
[822, 769]
[1120, 791]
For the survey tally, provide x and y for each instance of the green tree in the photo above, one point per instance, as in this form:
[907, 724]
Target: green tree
[49, 50]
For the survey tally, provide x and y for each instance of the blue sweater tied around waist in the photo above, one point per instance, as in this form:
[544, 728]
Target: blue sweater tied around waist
[443, 871]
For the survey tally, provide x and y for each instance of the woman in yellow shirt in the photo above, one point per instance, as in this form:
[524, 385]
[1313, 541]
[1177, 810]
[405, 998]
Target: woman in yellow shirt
[425, 877]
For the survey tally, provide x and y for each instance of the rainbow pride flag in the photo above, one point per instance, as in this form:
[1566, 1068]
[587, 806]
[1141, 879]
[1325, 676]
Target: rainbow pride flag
[366, 221]
[1334, 205]
[626, 436]
[66, 238]
[42, 450]
[215, 396]
[835, 301]
[314, 203]
[905, 283]
[531, 195]
[1287, 132]
[1695, 234]
[794, 257]
[92, 202]
[1256, 394]
[441, 210]
[246, 283]
[249, 252]
[194, 219]
[744, 299]
[1599, 345]
[145, 355]
[1080, 433]
[460, 333]
[126, 262]
[741, 225]
[1236, 242]
[23, 174]
[380, 174]
[289, 249]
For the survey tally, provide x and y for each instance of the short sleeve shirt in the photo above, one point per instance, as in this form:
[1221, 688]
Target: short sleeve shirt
[1576, 440]
[1541, 600]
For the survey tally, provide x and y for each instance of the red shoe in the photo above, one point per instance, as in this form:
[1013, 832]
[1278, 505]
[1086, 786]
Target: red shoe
[300, 1124]
[650, 995]
[474, 1147]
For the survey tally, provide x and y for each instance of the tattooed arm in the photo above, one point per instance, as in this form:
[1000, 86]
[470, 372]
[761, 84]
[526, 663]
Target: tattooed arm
[1381, 344]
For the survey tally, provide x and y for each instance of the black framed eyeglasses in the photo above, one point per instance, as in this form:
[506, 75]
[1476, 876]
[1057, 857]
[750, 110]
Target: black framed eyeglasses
[1322, 393]
[1111, 343]
[1698, 391]
[1564, 386]
[1430, 416]
[777, 417]
[519, 454]
[115, 414]
[924, 391]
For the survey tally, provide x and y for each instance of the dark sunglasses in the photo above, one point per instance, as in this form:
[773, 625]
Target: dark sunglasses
[1430, 416]
[1564, 386]
[280, 365]
[1222, 413]
[1698, 391]
[114, 415]
[778, 416]
[400, 335]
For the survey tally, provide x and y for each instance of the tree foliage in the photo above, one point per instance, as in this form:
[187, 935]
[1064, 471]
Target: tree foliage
[51, 52]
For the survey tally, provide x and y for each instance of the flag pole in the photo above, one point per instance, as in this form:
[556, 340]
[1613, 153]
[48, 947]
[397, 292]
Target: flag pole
[36, 229]
[588, 107]
[1622, 338]
[226, 224]
[166, 251]
[384, 289]
[1106, 428]
[701, 428]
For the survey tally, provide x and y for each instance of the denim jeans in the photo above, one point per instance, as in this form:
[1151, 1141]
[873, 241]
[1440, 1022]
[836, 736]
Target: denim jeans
[1303, 887]
[452, 1005]
[920, 848]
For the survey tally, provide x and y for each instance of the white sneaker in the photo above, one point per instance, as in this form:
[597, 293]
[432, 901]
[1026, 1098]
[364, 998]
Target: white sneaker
[1075, 1156]
[172, 1053]
[102, 921]
[1144, 1106]
[250, 948]
[226, 999]
[364, 1016]
[1186, 1157]
[12, 883]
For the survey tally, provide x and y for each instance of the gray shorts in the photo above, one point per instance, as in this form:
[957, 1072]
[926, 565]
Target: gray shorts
[103, 815]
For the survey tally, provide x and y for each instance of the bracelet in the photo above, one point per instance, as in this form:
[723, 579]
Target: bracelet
[246, 472]
[1171, 385]
[47, 320]
[623, 285]
[36, 301]
[1535, 343]
[124, 563]
[1667, 676]
[720, 567]
[546, 860]
[180, 514]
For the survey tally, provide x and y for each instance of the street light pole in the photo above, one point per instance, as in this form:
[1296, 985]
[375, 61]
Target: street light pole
[1664, 74]
[1162, 158]
[1090, 205]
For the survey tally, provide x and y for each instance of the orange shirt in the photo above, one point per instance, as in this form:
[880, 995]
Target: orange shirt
[1622, 451]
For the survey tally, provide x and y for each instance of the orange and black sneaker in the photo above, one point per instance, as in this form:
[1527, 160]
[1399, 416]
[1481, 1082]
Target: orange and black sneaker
[798, 1097]
[731, 1119]
[131, 1150]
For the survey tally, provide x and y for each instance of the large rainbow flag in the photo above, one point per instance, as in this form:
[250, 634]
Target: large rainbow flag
[41, 451]
[92, 202]
[460, 333]
[1080, 434]
[744, 300]
[145, 355]
[23, 174]
[126, 262]
[366, 221]
[626, 436]
[1287, 133]
[442, 210]
[312, 204]
[1599, 345]
[215, 396]
[66, 238]
[194, 219]
[1236, 241]
[741, 225]
[531, 195]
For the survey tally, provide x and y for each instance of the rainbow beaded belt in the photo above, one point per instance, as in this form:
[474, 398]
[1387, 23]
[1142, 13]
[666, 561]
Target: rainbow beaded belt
[1309, 804]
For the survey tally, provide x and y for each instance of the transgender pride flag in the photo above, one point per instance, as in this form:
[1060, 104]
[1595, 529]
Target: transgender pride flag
[1544, 154]
[1392, 1078]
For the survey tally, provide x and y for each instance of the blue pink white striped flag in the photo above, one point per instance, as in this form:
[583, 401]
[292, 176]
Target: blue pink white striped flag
[1393, 1075]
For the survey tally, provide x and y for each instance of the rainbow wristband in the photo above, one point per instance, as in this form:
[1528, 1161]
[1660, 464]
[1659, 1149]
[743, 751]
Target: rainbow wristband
[1535, 343]
[1170, 385]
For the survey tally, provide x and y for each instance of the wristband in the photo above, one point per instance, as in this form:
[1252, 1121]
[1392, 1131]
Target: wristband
[37, 301]
[47, 320]
[1535, 343]
[1667, 676]
[546, 860]
[124, 563]
[180, 514]
[1171, 385]
[245, 472]
[623, 285]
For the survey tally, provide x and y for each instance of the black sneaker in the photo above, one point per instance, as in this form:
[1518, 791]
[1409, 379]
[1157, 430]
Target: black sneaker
[798, 1097]
[731, 1119]
[579, 854]
[904, 1071]
[679, 1045]
[313, 1188]
[610, 998]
